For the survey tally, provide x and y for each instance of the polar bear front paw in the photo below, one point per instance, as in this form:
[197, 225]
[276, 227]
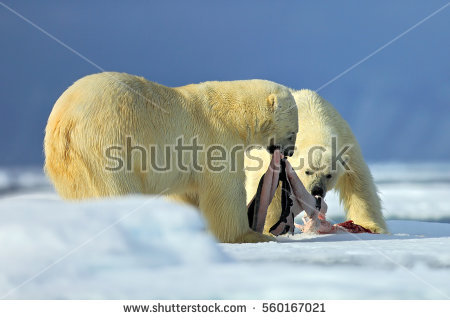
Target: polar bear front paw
[253, 237]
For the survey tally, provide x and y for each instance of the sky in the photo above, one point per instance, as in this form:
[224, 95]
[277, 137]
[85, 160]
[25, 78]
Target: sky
[397, 101]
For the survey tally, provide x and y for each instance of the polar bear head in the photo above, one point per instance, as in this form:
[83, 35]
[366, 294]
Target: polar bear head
[318, 166]
[261, 112]
[281, 130]
[323, 152]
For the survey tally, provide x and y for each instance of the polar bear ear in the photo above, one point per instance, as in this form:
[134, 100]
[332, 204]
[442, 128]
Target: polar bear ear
[272, 101]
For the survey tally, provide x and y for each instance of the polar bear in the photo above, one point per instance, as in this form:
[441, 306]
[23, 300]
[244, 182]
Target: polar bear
[327, 157]
[112, 134]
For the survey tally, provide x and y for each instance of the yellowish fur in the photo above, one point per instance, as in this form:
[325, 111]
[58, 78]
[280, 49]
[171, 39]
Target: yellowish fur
[102, 110]
[318, 122]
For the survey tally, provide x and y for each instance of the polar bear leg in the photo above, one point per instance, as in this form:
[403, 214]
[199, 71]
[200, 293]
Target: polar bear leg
[273, 212]
[222, 201]
[359, 196]
[187, 198]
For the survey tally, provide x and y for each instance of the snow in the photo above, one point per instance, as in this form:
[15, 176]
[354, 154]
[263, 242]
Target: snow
[140, 247]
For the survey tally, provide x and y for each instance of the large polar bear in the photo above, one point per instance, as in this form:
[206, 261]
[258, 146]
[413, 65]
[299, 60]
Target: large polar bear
[111, 134]
[320, 168]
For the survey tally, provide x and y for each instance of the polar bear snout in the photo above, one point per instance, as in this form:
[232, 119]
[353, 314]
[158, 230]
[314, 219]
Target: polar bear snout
[287, 151]
[286, 145]
[318, 190]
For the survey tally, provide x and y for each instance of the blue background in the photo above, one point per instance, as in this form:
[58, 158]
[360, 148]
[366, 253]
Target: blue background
[397, 102]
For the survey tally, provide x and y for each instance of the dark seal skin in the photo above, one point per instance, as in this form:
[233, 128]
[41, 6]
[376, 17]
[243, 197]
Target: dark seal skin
[301, 198]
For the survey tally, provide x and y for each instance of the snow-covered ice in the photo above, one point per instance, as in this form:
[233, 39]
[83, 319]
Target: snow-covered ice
[148, 248]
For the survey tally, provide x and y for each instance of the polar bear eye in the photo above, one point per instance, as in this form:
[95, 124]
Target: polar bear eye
[328, 176]
[308, 173]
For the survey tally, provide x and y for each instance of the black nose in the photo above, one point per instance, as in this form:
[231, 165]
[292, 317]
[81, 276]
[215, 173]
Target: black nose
[317, 191]
[289, 151]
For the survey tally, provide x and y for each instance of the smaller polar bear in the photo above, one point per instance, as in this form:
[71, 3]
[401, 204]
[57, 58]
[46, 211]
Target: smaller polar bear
[111, 134]
[320, 168]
